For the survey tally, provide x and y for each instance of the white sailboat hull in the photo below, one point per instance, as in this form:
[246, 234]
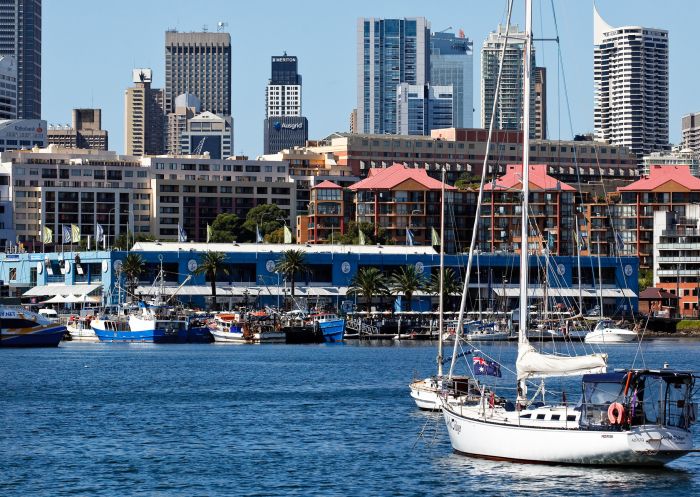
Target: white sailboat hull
[474, 434]
[426, 394]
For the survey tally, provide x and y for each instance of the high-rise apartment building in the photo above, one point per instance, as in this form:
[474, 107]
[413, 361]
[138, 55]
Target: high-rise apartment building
[452, 63]
[85, 132]
[284, 125]
[8, 87]
[20, 36]
[186, 107]
[200, 64]
[630, 72]
[144, 121]
[509, 111]
[690, 132]
[389, 52]
[540, 103]
[421, 109]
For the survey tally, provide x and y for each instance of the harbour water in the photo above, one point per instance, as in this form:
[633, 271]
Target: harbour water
[329, 419]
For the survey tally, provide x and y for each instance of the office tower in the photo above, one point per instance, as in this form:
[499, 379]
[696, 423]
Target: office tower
[540, 103]
[421, 109]
[208, 133]
[452, 63]
[186, 107]
[20, 36]
[200, 64]
[630, 73]
[389, 52]
[284, 126]
[85, 132]
[8, 85]
[690, 132]
[144, 116]
[353, 121]
[509, 111]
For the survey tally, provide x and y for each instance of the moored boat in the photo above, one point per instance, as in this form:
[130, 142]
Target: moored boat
[79, 329]
[22, 328]
[330, 325]
[606, 332]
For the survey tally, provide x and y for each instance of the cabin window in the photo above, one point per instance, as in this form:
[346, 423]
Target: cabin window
[571, 417]
[540, 416]
[555, 417]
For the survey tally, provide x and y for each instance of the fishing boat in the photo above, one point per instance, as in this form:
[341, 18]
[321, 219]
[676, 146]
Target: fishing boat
[330, 325]
[227, 327]
[254, 327]
[632, 417]
[606, 332]
[79, 329]
[158, 324]
[22, 328]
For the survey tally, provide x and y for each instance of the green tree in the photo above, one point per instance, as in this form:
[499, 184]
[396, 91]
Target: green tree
[451, 285]
[407, 281]
[267, 217]
[646, 279]
[226, 228]
[277, 236]
[368, 282]
[132, 268]
[212, 264]
[468, 181]
[291, 264]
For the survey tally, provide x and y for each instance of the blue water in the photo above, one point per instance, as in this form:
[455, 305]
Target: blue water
[126, 419]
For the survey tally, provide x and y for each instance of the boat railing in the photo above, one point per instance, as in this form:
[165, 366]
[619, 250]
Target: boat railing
[361, 327]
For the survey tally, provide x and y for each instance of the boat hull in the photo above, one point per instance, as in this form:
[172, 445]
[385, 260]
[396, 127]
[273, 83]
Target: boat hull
[82, 334]
[649, 445]
[161, 330]
[426, 394]
[333, 330]
[48, 336]
[199, 334]
[611, 336]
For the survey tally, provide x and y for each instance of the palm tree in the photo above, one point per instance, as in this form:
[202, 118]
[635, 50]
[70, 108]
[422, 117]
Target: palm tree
[292, 263]
[212, 264]
[368, 282]
[451, 285]
[132, 267]
[407, 281]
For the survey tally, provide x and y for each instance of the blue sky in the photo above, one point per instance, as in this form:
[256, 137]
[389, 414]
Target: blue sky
[90, 47]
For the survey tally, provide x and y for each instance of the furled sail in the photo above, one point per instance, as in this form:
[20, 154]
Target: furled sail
[531, 364]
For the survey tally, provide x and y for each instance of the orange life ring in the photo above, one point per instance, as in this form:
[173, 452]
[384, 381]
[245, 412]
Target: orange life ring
[616, 413]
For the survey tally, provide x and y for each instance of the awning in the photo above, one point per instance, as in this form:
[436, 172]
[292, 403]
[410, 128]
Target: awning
[538, 292]
[79, 290]
[223, 290]
[56, 299]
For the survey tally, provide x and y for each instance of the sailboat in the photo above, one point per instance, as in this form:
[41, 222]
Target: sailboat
[634, 417]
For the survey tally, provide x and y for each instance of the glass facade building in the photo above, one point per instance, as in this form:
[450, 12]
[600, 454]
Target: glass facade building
[452, 63]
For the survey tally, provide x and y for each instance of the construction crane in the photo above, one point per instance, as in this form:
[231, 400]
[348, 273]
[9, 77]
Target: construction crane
[200, 146]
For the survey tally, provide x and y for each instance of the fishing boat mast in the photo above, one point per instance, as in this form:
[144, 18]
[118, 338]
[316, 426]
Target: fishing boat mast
[441, 319]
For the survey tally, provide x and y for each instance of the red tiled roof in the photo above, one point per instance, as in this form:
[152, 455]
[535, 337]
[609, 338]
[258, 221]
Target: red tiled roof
[391, 177]
[659, 175]
[327, 184]
[512, 179]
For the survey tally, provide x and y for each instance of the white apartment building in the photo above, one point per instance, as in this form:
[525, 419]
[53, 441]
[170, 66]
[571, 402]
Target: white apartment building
[630, 72]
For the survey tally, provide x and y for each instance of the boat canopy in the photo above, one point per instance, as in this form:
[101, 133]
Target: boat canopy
[614, 377]
[533, 364]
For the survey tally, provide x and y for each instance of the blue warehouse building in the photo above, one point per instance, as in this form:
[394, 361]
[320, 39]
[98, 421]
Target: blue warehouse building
[91, 276]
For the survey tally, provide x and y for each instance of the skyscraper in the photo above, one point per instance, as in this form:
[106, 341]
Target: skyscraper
[690, 132]
[452, 63]
[85, 131]
[144, 117]
[509, 111]
[200, 64]
[540, 103]
[389, 52]
[20, 36]
[630, 73]
[421, 109]
[284, 126]
[8, 81]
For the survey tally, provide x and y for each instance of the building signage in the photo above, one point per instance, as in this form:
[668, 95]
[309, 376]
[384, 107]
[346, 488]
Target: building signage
[284, 59]
[278, 125]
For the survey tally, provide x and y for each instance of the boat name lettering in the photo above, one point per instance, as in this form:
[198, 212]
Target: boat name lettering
[606, 436]
[455, 426]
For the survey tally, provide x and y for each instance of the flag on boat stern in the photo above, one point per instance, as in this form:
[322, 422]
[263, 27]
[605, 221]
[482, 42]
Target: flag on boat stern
[482, 366]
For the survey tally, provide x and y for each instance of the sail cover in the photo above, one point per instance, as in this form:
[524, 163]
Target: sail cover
[532, 364]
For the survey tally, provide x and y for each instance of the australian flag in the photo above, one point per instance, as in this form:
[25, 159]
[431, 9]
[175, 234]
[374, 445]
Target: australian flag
[482, 366]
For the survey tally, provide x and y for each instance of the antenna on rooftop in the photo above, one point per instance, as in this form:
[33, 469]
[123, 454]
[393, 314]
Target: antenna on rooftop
[205, 28]
[220, 26]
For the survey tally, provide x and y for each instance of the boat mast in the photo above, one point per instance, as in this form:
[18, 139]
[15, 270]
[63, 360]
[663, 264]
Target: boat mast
[524, 229]
[442, 274]
[479, 199]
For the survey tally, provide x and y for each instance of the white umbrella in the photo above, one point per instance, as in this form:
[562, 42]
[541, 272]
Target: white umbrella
[56, 299]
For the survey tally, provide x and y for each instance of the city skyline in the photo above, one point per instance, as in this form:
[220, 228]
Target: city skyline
[330, 67]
